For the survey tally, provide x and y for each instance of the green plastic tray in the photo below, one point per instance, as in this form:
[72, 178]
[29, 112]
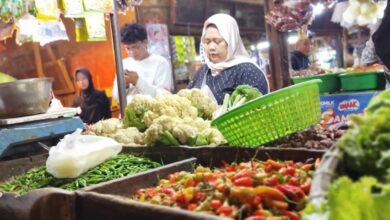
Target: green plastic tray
[362, 81]
[330, 82]
[272, 116]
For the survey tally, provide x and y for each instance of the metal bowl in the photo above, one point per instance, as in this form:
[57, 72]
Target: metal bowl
[25, 97]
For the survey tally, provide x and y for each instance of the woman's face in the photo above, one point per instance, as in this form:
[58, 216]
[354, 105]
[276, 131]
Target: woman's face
[215, 46]
[82, 81]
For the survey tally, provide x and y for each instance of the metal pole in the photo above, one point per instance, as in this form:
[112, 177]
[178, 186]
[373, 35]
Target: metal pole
[118, 59]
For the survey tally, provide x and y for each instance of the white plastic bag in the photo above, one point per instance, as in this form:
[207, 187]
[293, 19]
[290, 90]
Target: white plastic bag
[76, 154]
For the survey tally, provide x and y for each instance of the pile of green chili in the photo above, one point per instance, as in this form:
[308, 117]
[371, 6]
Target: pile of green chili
[114, 168]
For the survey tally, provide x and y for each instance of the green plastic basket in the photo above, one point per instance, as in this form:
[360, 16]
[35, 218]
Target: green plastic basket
[272, 116]
[330, 81]
[362, 81]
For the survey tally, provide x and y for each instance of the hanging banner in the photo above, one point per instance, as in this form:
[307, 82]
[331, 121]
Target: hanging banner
[96, 26]
[158, 42]
[47, 10]
[336, 108]
[73, 8]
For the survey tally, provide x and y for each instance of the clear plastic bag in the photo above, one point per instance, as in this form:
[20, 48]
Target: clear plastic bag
[76, 153]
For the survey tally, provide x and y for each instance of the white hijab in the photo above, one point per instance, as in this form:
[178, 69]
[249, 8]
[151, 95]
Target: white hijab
[228, 28]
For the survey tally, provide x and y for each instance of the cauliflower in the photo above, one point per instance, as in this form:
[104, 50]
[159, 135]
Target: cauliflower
[198, 123]
[172, 105]
[152, 134]
[105, 127]
[213, 136]
[183, 132]
[129, 136]
[205, 105]
[135, 111]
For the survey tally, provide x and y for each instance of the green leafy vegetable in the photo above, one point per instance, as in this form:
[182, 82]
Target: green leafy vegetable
[347, 200]
[246, 91]
[134, 119]
[367, 143]
[167, 139]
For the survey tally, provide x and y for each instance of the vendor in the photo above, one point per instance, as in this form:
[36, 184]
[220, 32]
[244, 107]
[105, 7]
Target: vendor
[299, 58]
[93, 103]
[228, 64]
[381, 40]
[145, 73]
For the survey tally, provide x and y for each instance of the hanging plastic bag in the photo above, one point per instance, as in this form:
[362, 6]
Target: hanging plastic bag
[47, 10]
[96, 26]
[48, 32]
[76, 153]
[207, 91]
[26, 28]
[73, 8]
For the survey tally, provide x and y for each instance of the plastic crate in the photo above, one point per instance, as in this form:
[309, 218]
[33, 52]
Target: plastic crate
[330, 82]
[272, 116]
[362, 81]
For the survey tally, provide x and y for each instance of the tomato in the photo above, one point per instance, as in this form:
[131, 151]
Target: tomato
[244, 181]
[293, 181]
[273, 180]
[225, 210]
[192, 206]
[291, 215]
[254, 217]
[306, 186]
[215, 204]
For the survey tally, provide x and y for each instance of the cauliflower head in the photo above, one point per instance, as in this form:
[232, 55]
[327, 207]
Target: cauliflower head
[129, 136]
[213, 136]
[183, 132]
[105, 127]
[205, 105]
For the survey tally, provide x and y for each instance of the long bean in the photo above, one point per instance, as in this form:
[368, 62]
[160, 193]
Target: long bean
[114, 168]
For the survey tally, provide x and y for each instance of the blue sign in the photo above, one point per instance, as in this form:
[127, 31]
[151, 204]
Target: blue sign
[336, 108]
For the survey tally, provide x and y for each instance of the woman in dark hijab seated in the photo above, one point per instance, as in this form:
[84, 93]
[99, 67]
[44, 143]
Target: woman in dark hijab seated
[94, 104]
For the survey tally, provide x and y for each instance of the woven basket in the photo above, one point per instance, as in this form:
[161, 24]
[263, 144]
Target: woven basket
[272, 116]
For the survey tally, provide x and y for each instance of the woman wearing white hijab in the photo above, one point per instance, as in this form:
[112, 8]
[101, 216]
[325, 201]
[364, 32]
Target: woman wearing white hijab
[228, 64]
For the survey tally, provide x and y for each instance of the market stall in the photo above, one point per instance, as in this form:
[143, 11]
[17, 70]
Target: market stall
[181, 156]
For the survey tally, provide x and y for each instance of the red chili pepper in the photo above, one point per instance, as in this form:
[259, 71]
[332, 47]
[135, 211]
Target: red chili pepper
[254, 217]
[274, 164]
[293, 181]
[225, 210]
[215, 204]
[306, 186]
[287, 171]
[244, 173]
[244, 181]
[192, 206]
[291, 215]
[295, 193]
[307, 167]
[273, 180]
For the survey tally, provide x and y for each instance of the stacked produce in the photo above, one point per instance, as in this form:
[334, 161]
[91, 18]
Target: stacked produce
[250, 190]
[166, 120]
[366, 149]
[116, 167]
[316, 137]
[291, 15]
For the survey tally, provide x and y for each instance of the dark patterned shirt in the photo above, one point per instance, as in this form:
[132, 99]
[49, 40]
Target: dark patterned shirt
[229, 79]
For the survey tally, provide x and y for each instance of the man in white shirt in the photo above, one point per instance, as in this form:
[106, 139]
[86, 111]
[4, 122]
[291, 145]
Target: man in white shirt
[145, 73]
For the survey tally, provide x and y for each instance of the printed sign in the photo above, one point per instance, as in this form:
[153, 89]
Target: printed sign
[337, 108]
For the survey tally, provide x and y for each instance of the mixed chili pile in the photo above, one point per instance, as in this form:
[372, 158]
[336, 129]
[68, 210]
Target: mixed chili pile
[252, 190]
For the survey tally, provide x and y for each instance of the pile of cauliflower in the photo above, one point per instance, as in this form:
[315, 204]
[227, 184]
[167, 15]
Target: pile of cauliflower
[181, 119]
